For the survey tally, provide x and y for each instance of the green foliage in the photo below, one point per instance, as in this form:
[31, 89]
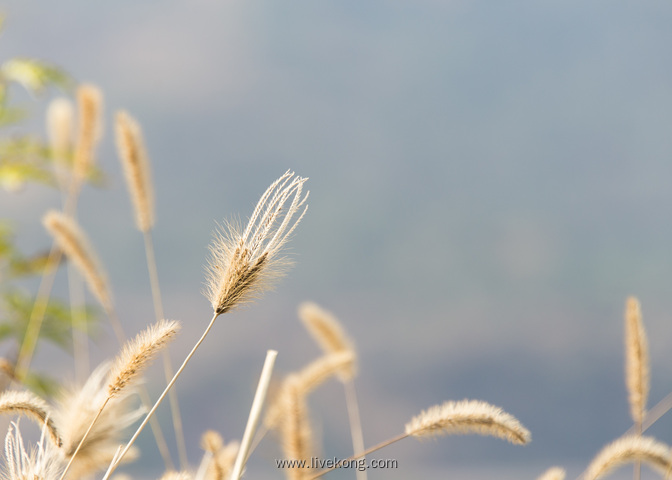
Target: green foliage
[33, 75]
[16, 307]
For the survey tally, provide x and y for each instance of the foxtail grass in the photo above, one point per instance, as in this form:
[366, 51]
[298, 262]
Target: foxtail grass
[455, 418]
[553, 473]
[125, 370]
[327, 331]
[26, 403]
[242, 264]
[627, 450]
[136, 166]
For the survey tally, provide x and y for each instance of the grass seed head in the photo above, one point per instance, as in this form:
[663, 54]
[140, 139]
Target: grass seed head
[135, 162]
[627, 450]
[467, 417]
[244, 263]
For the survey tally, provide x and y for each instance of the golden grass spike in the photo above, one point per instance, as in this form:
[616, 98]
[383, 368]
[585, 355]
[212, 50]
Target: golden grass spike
[553, 473]
[637, 373]
[324, 328]
[136, 169]
[72, 240]
[26, 403]
[138, 352]
[295, 428]
[221, 465]
[243, 265]
[627, 450]
[90, 105]
[320, 370]
[60, 117]
[468, 416]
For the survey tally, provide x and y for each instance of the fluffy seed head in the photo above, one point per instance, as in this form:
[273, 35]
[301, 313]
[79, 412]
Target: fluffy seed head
[637, 373]
[74, 411]
[320, 370]
[136, 169]
[211, 441]
[138, 352]
[76, 245]
[25, 403]
[627, 450]
[90, 105]
[295, 428]
[222, 457]
[44, 462]
[243, 264]
[60, 127]
[172, 475]
[327, 331]
[465, 417]
[553, 473]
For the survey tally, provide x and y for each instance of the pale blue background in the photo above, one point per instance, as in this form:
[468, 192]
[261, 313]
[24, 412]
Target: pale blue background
[489, 181]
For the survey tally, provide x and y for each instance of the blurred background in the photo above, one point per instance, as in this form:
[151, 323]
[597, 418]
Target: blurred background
[489, 182]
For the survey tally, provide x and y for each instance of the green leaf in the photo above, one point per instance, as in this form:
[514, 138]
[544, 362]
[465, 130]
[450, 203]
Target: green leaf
[34, 75]
[56, 325]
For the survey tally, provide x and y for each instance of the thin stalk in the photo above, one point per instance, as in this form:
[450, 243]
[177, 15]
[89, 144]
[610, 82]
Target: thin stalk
[29, 343]
[355, 422]
[651, 417]
[144, 396]
[255, 413]
[86, 434]
[80, 344]
[165, 392]
[154, 424]
[37, 313]
[167, 365]
[384, 444]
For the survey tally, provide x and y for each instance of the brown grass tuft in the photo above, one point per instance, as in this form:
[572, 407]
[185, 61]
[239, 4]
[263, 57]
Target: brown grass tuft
[628, 450]
[468, 416]
[637, 375]
[243, 264]
[72, 240]
[136, 169]
[138, 352]
[26, 403]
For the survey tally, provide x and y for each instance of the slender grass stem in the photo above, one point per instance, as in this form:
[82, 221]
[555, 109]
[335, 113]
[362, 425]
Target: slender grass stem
[86, 434]
[160, 439]
[160, 399]
[80, 343]
[355, 422]
[37, 313]
[255, 413]
[384, 444]
[167, 365]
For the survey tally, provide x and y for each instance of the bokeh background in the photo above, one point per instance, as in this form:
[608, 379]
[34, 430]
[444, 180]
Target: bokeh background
[489, 181]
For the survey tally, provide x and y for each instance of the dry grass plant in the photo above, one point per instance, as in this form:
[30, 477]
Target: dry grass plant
[82, 431]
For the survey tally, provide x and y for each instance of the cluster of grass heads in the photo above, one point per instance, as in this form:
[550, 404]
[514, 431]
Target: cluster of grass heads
[86, 427]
